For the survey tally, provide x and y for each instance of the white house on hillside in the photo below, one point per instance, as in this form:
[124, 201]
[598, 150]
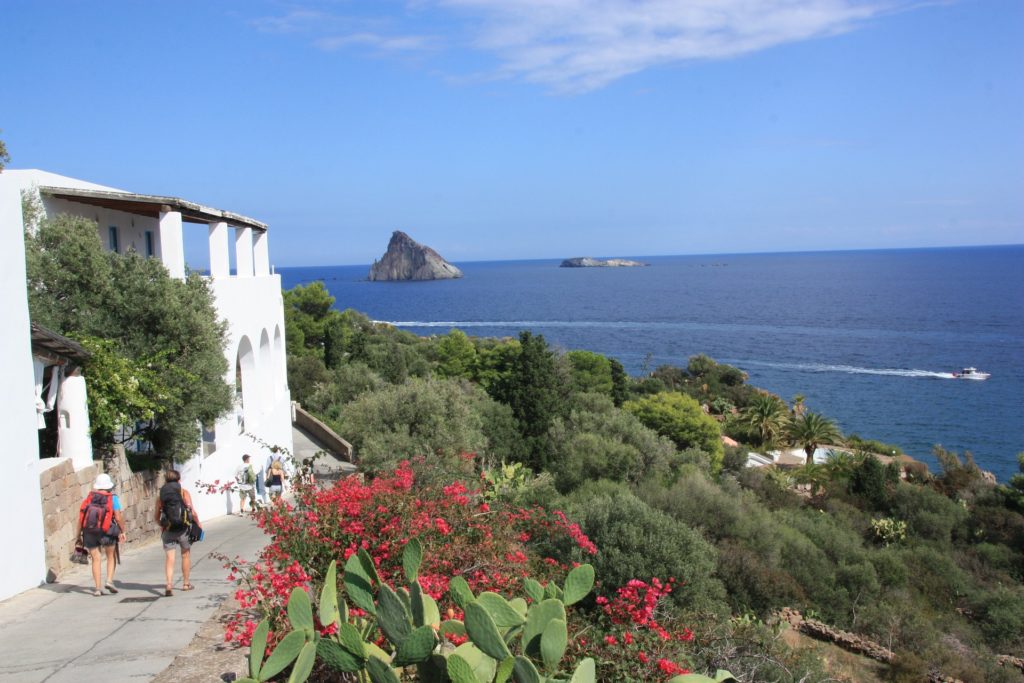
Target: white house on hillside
[248, 297]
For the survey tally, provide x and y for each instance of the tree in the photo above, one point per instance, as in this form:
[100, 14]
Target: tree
[810, 430]
[591, 372]
[5, 158]
[680, 418]
[494, 361]
[620, 383]
[533, 390]
[422, 417]
[456, 355]
[596, 441]
[768, 416]
[799, 405]
[1014, 492]
[306, 317]
[166, 330]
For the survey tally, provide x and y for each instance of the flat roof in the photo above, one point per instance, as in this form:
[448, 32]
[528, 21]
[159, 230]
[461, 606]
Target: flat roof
[151, 205]
[44, 339]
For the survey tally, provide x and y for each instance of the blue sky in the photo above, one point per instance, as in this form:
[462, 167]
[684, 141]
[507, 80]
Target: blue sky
[538, 128]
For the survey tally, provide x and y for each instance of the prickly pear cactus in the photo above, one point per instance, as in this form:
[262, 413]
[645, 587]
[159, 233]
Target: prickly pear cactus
[508, 640]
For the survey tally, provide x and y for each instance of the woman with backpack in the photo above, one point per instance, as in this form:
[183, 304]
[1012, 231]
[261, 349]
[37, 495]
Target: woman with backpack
[175, 515]
[275, 479]
[101, 525]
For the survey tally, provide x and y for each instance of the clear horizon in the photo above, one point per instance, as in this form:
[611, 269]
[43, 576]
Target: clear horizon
[522, 130]
[721, 253]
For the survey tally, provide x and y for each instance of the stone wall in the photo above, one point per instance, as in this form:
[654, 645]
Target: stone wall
[63, 490]
[138, 492]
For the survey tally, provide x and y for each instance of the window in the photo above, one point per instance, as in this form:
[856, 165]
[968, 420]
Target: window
[209, 440]
[114, 246]
[149, 243]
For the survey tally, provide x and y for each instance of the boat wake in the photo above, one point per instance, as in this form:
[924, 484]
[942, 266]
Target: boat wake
[847, 369]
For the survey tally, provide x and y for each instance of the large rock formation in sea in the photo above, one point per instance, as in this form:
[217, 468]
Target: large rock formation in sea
[587, 262]
[407, 259]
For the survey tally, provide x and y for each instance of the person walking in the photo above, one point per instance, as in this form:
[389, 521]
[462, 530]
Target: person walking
[261, 486]
[101, 526]
[175, 514]
[275, 479]
[245, 476]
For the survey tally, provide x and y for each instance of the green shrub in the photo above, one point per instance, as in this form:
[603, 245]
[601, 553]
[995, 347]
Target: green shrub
[639, 541]
[599, 441]
[681, 419]
[421, 417]
[928, 514]
[591, 372]
[1000, 615]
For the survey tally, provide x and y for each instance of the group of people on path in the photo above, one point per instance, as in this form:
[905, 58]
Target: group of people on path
[101, 526]
[262, 486]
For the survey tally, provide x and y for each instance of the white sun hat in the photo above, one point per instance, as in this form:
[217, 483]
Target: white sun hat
[103, 482]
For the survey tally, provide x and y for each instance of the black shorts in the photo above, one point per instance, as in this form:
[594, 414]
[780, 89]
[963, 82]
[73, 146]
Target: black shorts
[95, 539]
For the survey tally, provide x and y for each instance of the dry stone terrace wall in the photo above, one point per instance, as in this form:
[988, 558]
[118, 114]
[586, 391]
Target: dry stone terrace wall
[138, 492]
[63, 490]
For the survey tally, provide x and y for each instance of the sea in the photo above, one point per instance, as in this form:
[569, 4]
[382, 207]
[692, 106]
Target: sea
[869, 338]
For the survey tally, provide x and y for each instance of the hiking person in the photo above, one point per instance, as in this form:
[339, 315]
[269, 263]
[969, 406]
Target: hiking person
[275, 478]
[101, 525]
[245, 476]
[175, 514]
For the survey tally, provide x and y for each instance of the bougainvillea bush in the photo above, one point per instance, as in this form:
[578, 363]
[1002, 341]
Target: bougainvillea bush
[466, 533]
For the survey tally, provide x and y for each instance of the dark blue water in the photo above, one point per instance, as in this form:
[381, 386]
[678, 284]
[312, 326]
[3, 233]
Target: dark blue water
[866, 336]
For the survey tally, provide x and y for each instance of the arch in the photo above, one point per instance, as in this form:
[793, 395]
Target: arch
[246, 389]
[280, 366]
[266, 371]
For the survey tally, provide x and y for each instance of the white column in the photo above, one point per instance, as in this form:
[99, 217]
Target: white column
[261, 254]
[243, 251]
[73, 421]
[172, 244]
[220, 256]
[18, 422]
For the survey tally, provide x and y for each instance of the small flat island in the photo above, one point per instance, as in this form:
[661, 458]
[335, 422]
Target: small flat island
[587, 262]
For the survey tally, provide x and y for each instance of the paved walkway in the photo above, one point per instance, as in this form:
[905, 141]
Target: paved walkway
[329, 466]
[61, 632]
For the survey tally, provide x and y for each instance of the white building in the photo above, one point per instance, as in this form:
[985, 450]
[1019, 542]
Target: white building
[248, 297]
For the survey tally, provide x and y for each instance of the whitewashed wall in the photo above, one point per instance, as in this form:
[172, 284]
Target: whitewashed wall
[25, 564]
[253, 308]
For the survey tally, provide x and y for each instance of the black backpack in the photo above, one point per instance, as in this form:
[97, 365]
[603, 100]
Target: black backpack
[174, 515]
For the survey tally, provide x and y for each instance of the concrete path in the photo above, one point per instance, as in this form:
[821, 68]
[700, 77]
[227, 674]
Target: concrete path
[61, 632]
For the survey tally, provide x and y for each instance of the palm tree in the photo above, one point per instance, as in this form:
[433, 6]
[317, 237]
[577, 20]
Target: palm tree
[798, 405]
[810, 430]
[769, 416]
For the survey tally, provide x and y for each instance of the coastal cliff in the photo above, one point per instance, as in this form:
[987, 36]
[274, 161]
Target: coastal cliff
[407, 259]
[587, 262]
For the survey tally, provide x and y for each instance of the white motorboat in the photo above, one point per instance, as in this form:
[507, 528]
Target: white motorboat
[971, 373]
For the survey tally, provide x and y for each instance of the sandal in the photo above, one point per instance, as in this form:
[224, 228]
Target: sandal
[168, 592]
[96, 592]
[187, 586]
[110, 587]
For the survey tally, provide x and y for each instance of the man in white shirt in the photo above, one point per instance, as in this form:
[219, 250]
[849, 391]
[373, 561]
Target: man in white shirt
[245, 477]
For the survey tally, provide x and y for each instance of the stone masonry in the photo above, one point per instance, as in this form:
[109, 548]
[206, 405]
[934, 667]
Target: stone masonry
[63, 490]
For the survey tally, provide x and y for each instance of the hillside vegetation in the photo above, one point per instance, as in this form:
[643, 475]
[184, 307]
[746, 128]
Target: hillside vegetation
[930, 566]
